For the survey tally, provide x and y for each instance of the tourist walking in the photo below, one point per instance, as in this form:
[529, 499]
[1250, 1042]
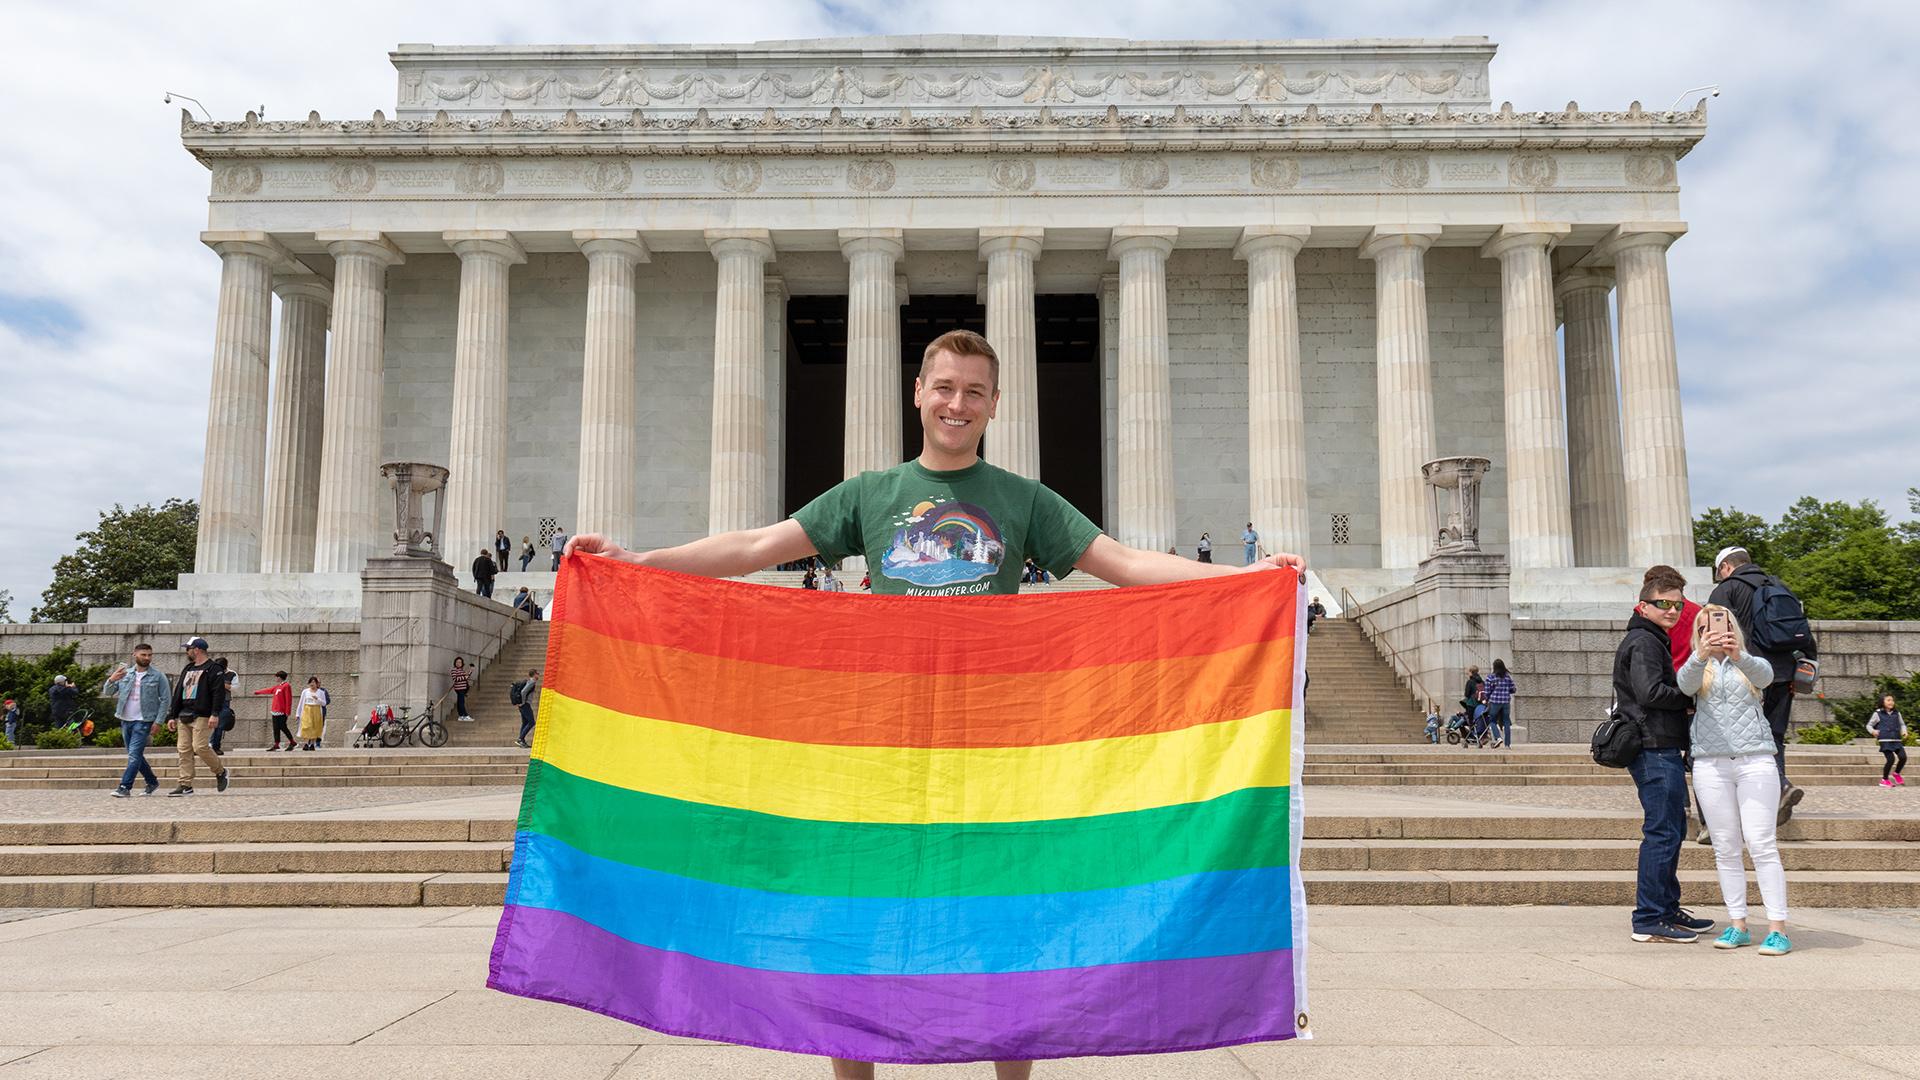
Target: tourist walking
[313, 713]
[527, 695]
[1499, 689]
[526, 552]
[483, 574]
[956, 393]
[140, 694]
[1251, 541]
[193, 711]
[559, 546]
[462, 679]
[62, 698]
[13, 722]
[1775, 625]
[1889, 729]
[1734, 774]
[502, 549]
[1470, 696]
[1205, 548]
[218, 739]
[1646, 693]
[279, 708]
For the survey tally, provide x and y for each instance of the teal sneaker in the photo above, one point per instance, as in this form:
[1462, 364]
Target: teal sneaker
[1776, 945]
[1733, 938]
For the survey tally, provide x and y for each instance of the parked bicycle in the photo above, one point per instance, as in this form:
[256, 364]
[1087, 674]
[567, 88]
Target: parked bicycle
[405, 728]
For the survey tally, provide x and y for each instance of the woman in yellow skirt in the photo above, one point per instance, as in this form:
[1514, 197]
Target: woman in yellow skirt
[313, 714]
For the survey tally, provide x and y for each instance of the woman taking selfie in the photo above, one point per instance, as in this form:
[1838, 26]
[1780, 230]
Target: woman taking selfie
[1734, 775]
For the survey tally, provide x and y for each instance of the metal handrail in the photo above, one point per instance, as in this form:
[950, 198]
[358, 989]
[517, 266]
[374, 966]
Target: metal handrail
[1348, 604]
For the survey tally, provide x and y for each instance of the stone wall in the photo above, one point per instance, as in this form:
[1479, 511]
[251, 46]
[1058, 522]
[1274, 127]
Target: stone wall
[1454, 614]
[254, 650]
[1563, 669]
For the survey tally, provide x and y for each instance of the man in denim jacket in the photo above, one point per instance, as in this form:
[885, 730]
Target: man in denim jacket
[141, 694]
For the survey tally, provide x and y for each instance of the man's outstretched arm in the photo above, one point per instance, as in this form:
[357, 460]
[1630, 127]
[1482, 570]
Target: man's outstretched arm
[1112, 561]
[730, 554]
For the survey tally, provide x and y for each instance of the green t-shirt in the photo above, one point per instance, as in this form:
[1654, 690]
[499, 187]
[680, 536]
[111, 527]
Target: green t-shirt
[927, 533]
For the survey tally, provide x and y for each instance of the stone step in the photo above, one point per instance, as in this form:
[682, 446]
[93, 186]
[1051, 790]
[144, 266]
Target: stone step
[1699, 889]
[1588, 854]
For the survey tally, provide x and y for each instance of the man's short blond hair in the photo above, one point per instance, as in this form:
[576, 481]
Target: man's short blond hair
[962, 343]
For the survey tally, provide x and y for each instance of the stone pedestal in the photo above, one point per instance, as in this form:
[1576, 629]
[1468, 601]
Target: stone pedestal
[414, 619]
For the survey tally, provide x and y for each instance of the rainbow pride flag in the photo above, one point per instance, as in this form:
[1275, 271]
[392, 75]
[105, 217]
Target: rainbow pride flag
[904, 829]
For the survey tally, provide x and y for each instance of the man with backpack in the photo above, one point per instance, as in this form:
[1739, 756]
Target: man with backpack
[1776, 629]
[524, 694]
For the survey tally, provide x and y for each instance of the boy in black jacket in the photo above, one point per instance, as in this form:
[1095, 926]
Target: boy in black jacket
[1644, 690]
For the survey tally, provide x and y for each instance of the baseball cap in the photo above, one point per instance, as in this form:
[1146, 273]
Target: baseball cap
[194, 643]
[1726, 551]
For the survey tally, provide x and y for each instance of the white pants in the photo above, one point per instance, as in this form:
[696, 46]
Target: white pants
[1740, 797]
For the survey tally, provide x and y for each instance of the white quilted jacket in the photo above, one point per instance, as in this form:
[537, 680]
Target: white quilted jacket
[1727, 721]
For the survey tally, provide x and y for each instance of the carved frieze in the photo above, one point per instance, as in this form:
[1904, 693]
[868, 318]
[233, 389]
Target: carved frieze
[1404, 170]
[870, 174]
[609, 177]
[479, 178]
[351, 177]
[236, 180]
[1532, 169]
[1144, 173]
[1012, 174]
[738, 176]
[1275, 173]
[1650, 170]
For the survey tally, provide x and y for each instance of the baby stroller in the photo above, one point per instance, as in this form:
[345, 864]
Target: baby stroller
[1459, 729]
[369, 735]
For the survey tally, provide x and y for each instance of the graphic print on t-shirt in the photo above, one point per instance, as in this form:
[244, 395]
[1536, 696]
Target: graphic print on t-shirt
[944, 543]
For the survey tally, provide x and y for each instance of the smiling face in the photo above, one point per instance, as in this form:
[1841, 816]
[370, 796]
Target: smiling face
[956, 397]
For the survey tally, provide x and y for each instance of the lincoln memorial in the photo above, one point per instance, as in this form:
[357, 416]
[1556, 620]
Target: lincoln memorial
[657, 291]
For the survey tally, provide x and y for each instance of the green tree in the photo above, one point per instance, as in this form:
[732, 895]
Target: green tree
[147, 547]
[6, 605]
[1810, 525]
[26, 679]
[1719, 528]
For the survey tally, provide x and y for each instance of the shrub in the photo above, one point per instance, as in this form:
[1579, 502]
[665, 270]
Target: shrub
[1826, 735]
[5, 745]
[1854, 712]
[163, 737]
[57, 739]
[108, 736]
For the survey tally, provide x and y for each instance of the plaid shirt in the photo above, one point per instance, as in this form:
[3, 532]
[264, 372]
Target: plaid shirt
[1499, 689]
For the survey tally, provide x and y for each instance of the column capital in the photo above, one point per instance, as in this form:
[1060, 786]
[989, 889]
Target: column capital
[885, 241]
[1127, 238]
[303, 287]
[485, 244]
[246, 242]
[625, 243]
[1028, 240]
[1256, 238]
[1388, 237]
[774, 286]
[1659, 234]
[1577, 280]
[368, 242]
[740, 242]
[1542, 235]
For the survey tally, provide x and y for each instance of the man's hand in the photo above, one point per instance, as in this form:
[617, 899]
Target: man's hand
[173, 725]
[1280, 560]
[118, 670]
[594, 544]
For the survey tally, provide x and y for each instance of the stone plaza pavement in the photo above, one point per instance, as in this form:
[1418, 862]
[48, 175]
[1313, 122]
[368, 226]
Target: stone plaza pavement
[1495, 993]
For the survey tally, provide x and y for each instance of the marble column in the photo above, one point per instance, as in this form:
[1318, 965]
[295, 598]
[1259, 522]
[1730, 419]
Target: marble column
[737, 471]
[609, 450]
[354, 500]
[1654, 451]
[873, 349]
[1145, 510]
[233, 469]
[1010, 329]
[1539, 514]
[1276, 404]
[299, 403]
[776, 348]
[477, 460]
[1403, 373]
[1597, 481]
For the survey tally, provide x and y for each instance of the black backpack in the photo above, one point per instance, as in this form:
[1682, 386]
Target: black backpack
[516, 694]
[1779, 621]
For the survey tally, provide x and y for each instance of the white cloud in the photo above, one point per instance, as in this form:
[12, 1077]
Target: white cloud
[1793, 290]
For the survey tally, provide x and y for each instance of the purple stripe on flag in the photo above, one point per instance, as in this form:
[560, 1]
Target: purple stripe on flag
[1148, 1008]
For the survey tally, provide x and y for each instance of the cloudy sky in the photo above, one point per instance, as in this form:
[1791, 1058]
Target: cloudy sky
[1796, 292]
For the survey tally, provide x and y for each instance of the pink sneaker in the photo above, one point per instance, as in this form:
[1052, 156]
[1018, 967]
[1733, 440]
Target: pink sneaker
[1885, 782]
[1899, 781]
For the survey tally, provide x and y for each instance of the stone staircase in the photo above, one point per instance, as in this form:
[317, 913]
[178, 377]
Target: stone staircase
[1541, 857]
[496, 719]
[1353, 695]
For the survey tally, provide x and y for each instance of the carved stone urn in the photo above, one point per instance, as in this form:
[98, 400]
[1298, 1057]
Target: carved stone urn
[1454, 509]
[412, 482]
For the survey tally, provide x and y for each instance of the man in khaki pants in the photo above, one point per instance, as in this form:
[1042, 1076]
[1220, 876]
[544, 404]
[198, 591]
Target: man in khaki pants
[197, 697]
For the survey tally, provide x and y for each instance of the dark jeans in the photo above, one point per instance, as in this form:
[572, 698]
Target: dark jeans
[1896, 756]
[484, 587]
[280, 728]
[524, 560]
[219, 734]
[1500, 719]
[556, 561]
[526, 720]
[459, 703]
[1777, 703]
[136, 735]
[1661, 777]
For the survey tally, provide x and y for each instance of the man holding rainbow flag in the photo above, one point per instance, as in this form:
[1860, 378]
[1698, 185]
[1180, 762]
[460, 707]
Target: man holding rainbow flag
[950, 850]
